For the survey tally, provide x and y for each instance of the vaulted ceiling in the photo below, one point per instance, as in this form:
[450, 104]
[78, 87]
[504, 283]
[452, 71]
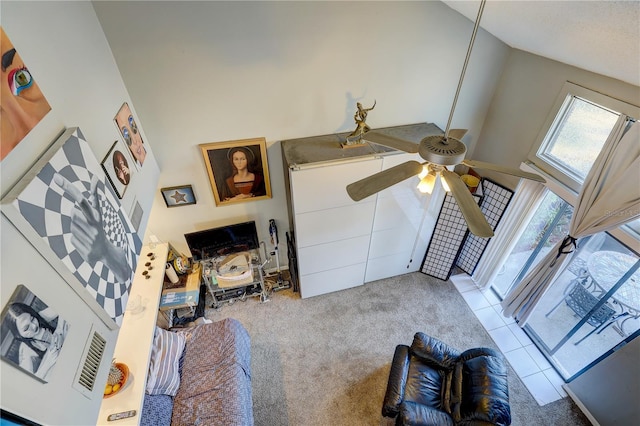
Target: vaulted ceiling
[598, 36]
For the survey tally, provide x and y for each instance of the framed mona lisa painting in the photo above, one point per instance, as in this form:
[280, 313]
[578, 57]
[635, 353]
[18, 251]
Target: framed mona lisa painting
[238, 170]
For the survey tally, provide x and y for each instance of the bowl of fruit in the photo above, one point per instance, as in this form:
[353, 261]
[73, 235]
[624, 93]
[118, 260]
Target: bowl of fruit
[118, 375]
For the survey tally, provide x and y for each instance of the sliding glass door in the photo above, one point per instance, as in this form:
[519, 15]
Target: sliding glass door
[592, 305]
[549, 224]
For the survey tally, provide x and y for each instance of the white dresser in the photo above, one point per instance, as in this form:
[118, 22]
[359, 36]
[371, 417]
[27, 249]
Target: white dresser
[341, 243]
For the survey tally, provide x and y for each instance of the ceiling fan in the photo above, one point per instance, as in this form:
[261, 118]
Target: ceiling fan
[438, 152]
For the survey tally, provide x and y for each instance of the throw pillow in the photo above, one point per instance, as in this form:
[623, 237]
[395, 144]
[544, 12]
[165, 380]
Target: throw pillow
[164, 374]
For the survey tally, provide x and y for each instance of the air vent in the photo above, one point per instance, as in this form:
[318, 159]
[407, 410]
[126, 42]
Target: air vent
[92, 358]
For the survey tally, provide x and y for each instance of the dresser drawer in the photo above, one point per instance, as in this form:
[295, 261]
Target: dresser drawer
[333, 280]
[334, 224]
[324, 187]
[333, 255]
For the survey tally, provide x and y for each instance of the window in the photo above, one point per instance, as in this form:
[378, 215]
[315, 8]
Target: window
[575, 132]
[593, 303]
[548, 225]
[574, 144]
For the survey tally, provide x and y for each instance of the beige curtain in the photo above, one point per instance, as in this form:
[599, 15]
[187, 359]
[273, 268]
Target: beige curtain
[610, 197]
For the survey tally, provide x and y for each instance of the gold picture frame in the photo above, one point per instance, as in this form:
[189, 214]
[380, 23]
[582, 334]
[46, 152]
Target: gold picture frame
[238, 170]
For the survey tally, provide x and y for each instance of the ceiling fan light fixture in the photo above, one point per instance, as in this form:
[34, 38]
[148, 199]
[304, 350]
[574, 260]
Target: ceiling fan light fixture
[444, 183]
[427, 183]
[424, 172]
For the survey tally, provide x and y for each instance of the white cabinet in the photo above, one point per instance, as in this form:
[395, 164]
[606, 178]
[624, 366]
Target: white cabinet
[341, 243]
[398, 239]
[332, 231]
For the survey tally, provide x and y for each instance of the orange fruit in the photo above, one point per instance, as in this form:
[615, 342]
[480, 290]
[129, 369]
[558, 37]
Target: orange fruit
[108, 390]
[116, 387]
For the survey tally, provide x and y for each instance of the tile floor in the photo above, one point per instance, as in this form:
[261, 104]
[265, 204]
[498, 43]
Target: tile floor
[528, 362]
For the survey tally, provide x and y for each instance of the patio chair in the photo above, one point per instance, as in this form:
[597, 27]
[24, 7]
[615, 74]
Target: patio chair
[581, 301]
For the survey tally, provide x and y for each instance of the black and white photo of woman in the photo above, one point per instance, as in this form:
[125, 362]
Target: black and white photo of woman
[32, 337]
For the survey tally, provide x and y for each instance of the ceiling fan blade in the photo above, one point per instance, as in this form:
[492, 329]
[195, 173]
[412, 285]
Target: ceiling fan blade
[476, 221]
[502, 169]
[391, 142]
[382, 180]
[458, 133]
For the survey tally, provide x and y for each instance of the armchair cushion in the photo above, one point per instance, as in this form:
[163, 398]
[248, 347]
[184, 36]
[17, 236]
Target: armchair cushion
[434, 351]
[476, 352]
[479, 391]
[397, 381]
[415, 414]
[424, 384]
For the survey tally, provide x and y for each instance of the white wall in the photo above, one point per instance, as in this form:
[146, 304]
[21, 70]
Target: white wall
[608, 393]
[64, 47]
[528, 89]
[202, 72]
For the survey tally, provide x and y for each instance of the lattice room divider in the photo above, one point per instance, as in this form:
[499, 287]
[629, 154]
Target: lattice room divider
[451, 243]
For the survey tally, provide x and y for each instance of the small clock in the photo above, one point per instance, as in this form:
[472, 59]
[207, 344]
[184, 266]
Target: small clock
[181, 264]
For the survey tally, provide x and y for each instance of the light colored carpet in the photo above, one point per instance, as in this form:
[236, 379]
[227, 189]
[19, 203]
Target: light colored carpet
[325, 360]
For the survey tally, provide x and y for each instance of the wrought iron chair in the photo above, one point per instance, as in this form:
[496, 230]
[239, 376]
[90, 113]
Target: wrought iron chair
[581, 301]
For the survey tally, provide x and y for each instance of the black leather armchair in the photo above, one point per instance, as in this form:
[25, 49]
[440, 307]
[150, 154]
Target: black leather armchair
[431, 383]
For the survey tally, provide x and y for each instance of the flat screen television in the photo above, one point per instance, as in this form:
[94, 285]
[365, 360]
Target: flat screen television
[223, 240]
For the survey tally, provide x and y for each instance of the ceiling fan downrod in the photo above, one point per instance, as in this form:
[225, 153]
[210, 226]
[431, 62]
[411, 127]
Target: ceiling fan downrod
[464, 70]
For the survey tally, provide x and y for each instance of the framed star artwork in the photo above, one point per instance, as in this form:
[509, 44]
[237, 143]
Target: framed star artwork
[176, 196]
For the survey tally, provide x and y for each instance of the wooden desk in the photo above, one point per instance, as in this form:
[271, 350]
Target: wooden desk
[135, 337]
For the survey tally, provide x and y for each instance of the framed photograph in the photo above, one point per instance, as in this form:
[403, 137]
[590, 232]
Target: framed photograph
[116, 165]
[176, 196]
[33, 334]
[130, 132]
[238, 170]
[70, 213]
[23, 105]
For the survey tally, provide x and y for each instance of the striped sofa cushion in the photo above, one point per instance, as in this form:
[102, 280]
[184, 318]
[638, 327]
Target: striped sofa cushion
[164, 374]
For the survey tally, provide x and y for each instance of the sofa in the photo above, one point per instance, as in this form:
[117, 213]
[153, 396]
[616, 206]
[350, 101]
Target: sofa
[200, 375]
[431, 383]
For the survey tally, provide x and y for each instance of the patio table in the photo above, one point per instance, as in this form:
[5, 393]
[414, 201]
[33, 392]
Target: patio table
[606, 268]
